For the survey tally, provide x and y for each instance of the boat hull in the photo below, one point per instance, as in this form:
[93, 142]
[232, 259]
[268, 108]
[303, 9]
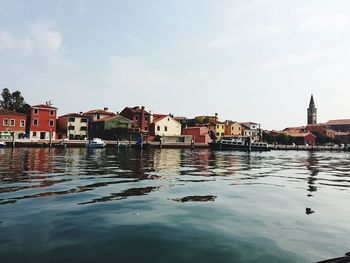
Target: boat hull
[224, 146]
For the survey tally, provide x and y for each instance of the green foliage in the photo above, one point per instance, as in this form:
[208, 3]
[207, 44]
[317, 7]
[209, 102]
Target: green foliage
[320, 138]
[13, 101]
[267, 137]
[283, 138]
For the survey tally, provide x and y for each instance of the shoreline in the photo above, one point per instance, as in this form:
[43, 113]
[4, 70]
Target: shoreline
[132, 144]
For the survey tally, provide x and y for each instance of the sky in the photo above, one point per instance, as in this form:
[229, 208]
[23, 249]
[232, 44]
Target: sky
[247, 60]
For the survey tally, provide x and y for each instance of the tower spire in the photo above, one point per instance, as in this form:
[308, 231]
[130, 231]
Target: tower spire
[312, 112]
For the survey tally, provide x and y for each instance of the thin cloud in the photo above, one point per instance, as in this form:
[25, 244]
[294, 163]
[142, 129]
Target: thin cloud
[298, 59]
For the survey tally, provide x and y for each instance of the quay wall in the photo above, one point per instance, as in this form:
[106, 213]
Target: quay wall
[155, 144]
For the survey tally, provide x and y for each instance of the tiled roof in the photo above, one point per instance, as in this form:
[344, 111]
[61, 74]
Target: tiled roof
[248, 122]
[299, 134]
[98, 111]
[137, 109]
[44, 106]
[75, 115]
[104, 118]
[121, 118]
[338, 122]
[9, 112]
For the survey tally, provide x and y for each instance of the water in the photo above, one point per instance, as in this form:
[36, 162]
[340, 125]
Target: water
[172, 205]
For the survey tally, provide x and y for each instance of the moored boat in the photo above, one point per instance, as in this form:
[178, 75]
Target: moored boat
[239, 144]
[2, 144]
[96, 143]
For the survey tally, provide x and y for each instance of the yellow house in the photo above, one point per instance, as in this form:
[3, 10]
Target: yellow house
[219, 129]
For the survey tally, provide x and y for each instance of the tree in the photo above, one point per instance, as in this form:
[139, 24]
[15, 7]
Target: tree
[13, 101]
[283, 138]
[6, 101]
[320, 138]
[267, 137]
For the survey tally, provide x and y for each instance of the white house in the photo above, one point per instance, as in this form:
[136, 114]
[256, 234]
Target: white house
[165, 125]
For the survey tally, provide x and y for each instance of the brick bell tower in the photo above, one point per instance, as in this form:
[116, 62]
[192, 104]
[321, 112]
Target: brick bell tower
[312, 112]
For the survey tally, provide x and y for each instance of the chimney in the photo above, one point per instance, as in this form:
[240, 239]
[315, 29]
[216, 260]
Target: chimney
[143, 107]
[105, 108]
[117, 112]
[81, 113]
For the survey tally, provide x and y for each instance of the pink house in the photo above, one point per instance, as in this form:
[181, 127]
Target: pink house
[200, 134]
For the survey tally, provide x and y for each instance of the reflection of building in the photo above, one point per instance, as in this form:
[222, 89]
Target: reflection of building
[312, 167]
[11, 121]
[73, 126]
[168, 159]
[41, 122]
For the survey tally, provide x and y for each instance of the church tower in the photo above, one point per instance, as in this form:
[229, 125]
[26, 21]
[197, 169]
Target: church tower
[312, 112]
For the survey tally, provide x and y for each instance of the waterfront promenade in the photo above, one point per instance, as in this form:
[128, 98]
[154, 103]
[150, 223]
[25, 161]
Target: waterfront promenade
[156, 144]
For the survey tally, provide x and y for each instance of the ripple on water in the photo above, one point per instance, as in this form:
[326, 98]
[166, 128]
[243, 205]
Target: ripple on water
[291, 203]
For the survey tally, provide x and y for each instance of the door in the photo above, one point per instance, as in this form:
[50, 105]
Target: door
[42, 135]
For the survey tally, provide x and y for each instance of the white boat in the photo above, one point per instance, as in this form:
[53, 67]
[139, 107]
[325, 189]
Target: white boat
[240, 143]
[96, 143]
[2, 144]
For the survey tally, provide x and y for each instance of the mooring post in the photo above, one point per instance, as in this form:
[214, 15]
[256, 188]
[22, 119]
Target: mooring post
[13, 140]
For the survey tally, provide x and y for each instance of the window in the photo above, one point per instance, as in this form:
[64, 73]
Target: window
[52, 112]
[51, 123]
[35, 122]
[34, 134]
[83, 128]
[158, 128]
[136, 118]
[71, 119]
[165, 128]
[146, 118]
[22, 123]
[36, 111]
[6, 122]
[12, 122]
[146, 128]
[84, 120]
[71, 128]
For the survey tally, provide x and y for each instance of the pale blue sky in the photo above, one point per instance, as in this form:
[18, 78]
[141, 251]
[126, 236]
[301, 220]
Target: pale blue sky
[246, 60]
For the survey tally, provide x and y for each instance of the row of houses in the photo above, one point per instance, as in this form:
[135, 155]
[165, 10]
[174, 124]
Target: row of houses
[337, 131]
[41, 122]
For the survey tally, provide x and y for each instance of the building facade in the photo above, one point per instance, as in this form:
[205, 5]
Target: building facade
[165, 125]
[12, 124]
[41, 122]
[139, 116]
[342, 125]
[200, 134]
[73, 126]
[111, 128]
[233, 128]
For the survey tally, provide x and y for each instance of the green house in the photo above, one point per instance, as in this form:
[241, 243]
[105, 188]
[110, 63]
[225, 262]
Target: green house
[111, 128]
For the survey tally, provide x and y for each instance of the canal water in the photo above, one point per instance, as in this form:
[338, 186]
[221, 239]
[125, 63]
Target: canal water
[173, 205]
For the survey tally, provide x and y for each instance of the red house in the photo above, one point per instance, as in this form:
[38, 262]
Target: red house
[303, 138]
[12, 122]
[42, 122]
[200, 134]
[141, 118]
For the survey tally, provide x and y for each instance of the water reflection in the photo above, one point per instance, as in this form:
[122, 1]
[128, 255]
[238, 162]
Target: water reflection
[31, 173]
[312, 166]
